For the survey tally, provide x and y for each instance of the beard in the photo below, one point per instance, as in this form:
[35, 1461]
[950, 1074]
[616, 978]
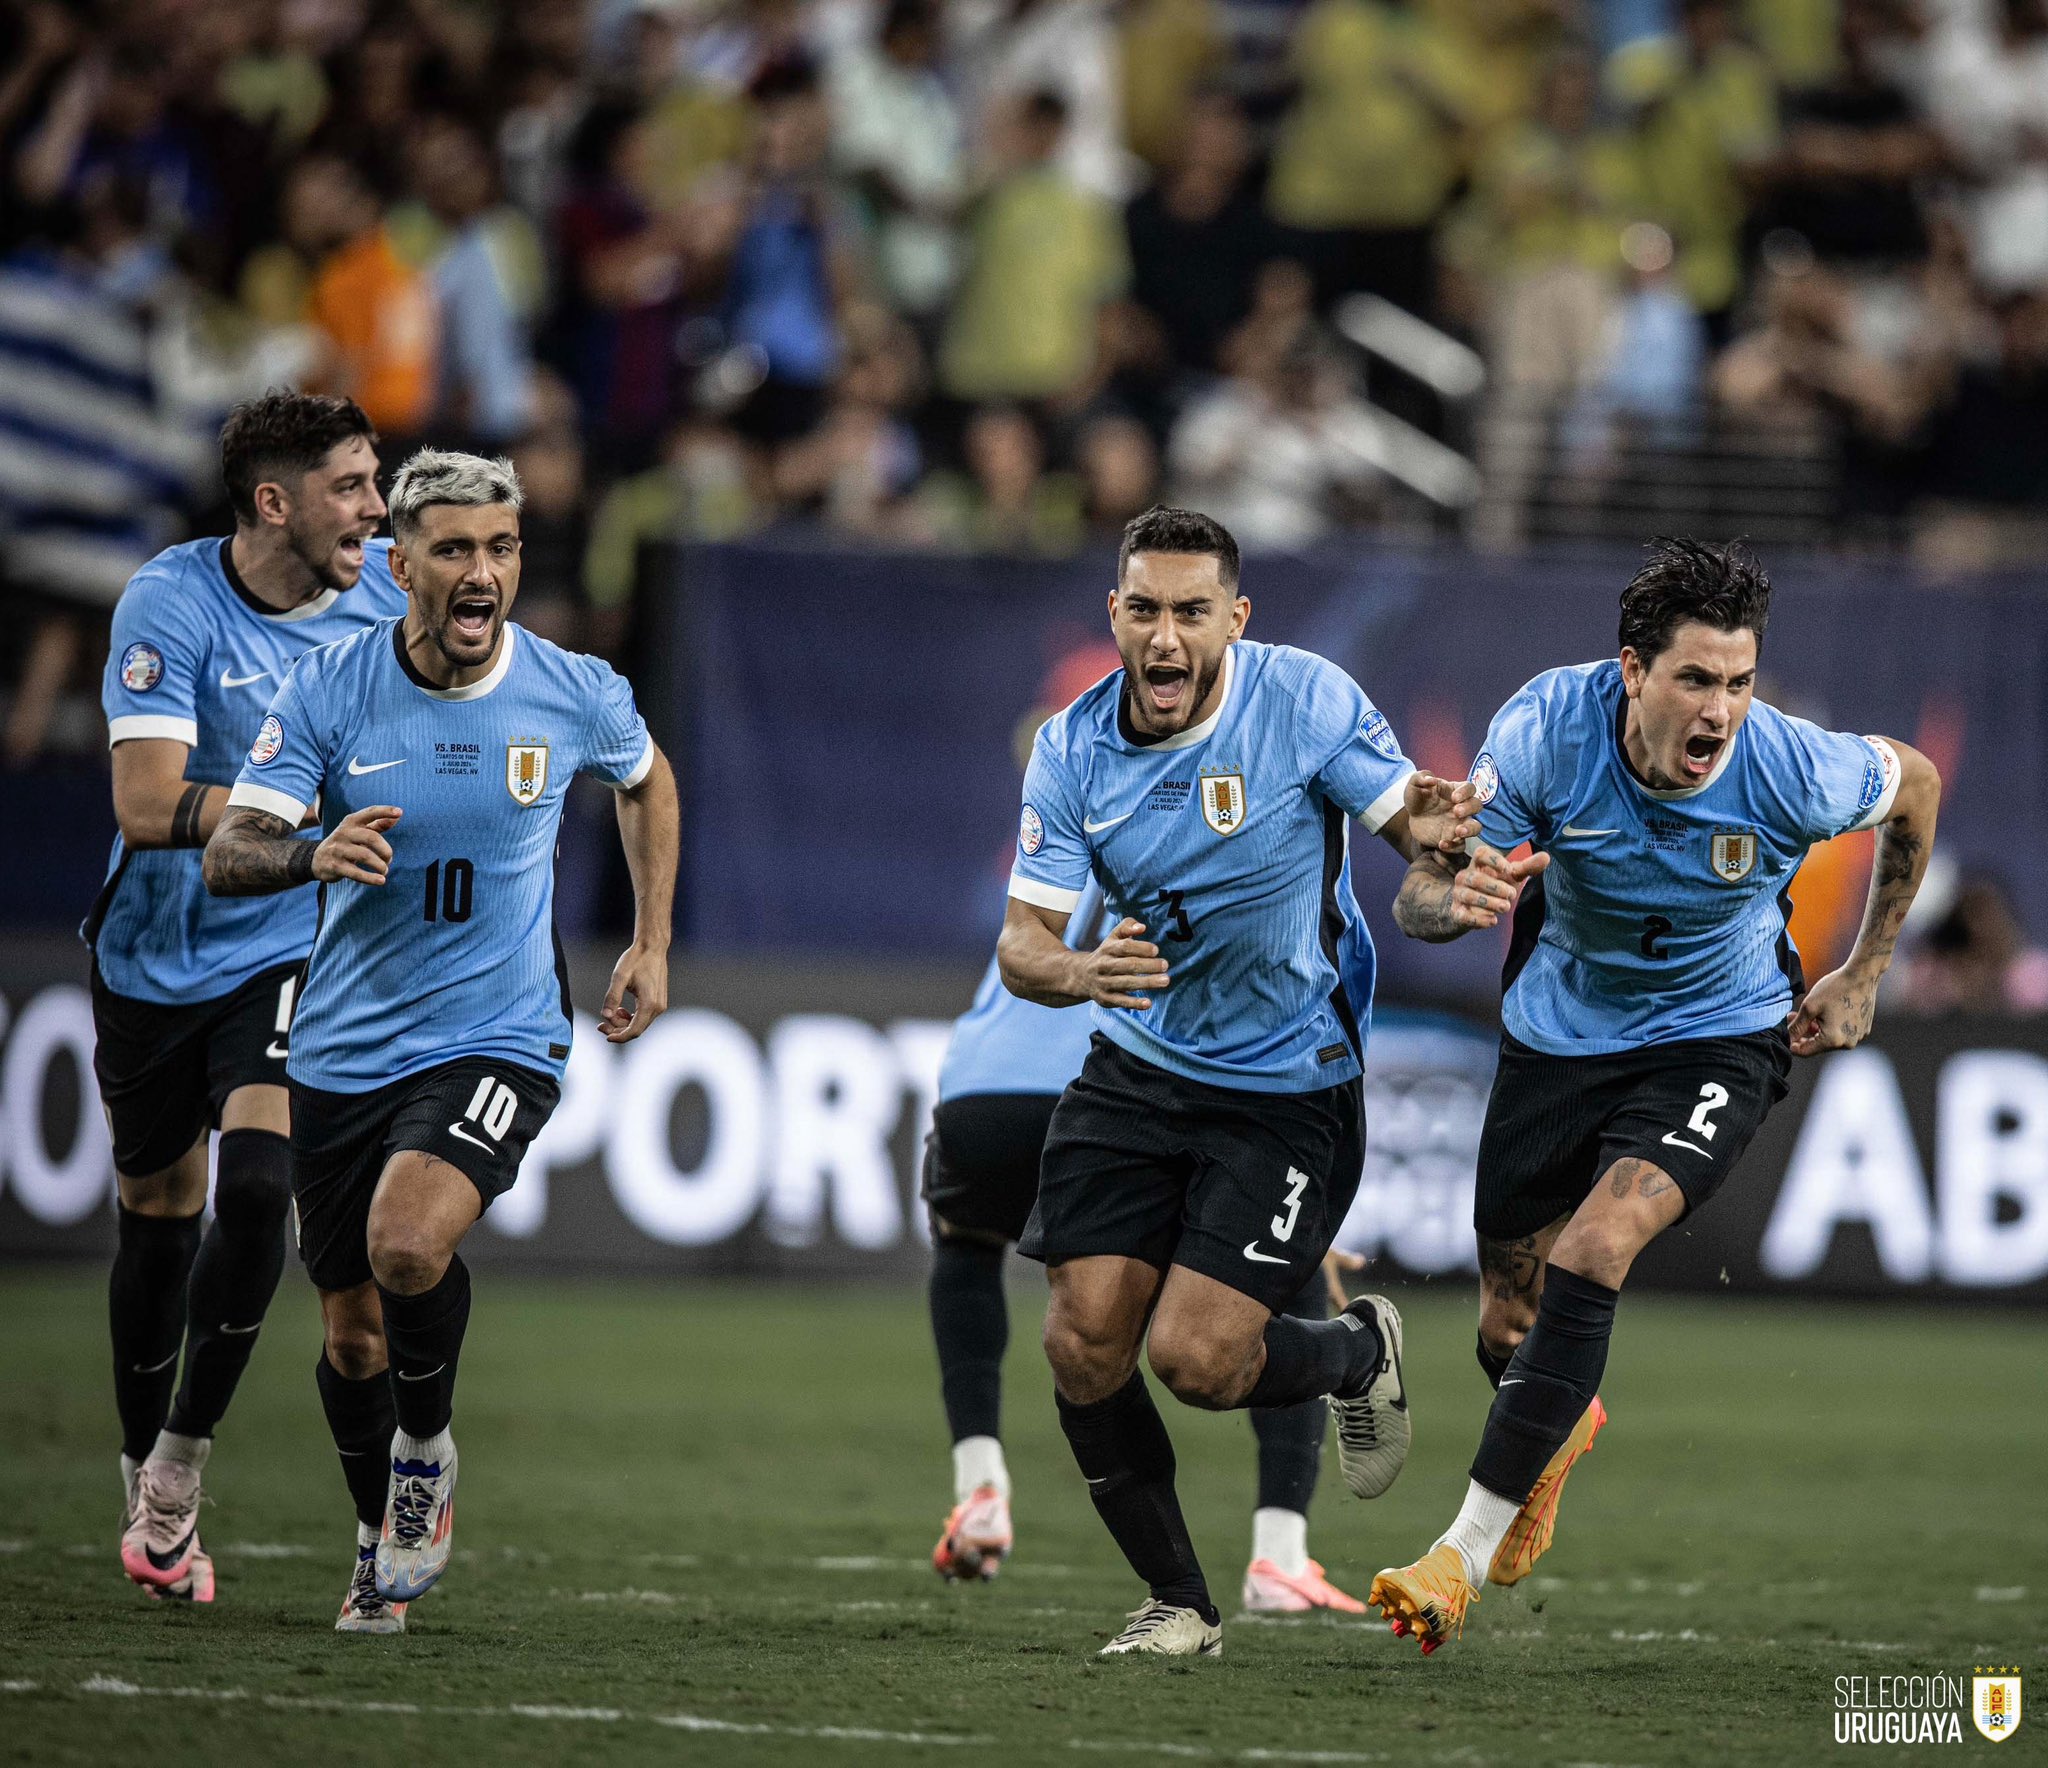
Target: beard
[317, 555]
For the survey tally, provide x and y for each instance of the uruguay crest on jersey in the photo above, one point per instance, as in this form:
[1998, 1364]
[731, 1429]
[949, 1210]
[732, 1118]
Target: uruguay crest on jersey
[1223, 806]
[526, 770]
[1733, 852]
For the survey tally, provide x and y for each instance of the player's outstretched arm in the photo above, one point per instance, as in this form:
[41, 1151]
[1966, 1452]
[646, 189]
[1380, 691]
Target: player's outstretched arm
[1446, 895]
[1036, 963]
[647, 830]
[253, 853]
[1838, 1009]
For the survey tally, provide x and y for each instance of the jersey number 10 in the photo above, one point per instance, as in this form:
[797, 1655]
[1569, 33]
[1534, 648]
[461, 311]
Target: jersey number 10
[449, 887]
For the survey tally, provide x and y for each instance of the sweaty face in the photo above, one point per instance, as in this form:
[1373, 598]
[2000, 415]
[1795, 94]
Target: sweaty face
[1173, 620]
[335, 508]
[1689, 703]
[461, 568]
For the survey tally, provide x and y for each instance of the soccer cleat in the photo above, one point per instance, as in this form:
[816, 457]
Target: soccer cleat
[1160, 1629]
[1428, 1599]
[1373, 1428]
[1270, 1591]
[160, 1533]
[1528, 1536]
[195, 1586]
[419, 1527]
[978, 1537]
[363, 1609]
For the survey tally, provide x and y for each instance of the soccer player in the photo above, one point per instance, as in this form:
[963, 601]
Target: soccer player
[434, 1020]
[1198, 1167]
[1653, 1002]
[1005, 1067]
[192, 997]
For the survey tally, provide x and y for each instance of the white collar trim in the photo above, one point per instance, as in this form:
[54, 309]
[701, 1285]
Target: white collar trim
[1201, 733]
[306, 610]
[477, 689]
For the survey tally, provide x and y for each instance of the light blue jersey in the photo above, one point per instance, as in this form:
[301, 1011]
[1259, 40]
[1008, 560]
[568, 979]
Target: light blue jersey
[195, 658]
[454, 954]
[1663, 914]
[1230, 842]
[1006, 1044]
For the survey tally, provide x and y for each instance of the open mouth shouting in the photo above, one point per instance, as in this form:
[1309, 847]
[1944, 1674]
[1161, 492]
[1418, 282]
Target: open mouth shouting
[1166, 689]
[1700, 754]
[473, 617]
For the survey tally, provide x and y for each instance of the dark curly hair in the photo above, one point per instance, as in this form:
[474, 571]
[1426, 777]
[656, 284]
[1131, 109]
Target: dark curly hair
[282, 435]
[1719, 586]
[1164, 529]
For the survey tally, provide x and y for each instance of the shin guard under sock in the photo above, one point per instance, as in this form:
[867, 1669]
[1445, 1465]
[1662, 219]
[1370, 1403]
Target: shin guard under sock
[361, 1418]
[146, 1317]
[1291, 1437]
[971, 1328]
[241, 1257]
[425, 1332]
[1308, 1359]
[1549, 1384]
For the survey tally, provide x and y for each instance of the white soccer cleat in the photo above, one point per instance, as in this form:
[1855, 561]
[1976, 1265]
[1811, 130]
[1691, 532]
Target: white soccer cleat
[195, 1586]
[1270, 1591]
[977, 1539]
[363, 1610]
[1373, 1428]
[1162, 1630]
[419, 1527]
[160, 1533]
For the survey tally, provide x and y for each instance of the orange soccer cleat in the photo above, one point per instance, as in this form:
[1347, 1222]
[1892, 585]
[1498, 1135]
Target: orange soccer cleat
[1528, 1536]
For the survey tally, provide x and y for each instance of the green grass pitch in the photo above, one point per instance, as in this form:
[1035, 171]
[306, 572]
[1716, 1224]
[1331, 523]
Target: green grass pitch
[695, 1520]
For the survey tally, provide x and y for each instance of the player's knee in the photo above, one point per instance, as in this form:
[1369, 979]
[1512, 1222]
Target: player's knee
[355, 1346]
[1197, 1368]
[406, 1258]
[1088, 1361]
[1602, 1249]
[1504, 1321]
[252, 1190]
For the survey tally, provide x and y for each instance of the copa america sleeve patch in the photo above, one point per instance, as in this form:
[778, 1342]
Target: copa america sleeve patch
[1485, 777]
[269, 740]
[1031, 831]
[142, 667]
[1380, 734]
[1878, 773]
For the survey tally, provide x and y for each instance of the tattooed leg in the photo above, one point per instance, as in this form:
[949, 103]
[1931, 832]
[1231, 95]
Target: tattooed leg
[1634, 1202]
[1510, 1285]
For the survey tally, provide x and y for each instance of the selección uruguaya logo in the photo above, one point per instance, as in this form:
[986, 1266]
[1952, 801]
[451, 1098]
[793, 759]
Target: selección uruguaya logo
[1928, 1709]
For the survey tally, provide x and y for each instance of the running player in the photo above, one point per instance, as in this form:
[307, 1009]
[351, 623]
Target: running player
[1653, 1002]
[434, 1020]
[1005, 1068]
[192, 997]
[1197, 1169]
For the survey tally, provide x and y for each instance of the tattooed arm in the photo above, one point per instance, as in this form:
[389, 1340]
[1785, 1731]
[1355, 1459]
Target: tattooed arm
[253, 853]
[1446, 895]
[1838, 1009]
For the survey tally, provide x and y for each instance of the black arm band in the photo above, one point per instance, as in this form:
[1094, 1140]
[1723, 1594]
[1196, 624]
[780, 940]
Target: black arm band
[185, 819]
[299, 868]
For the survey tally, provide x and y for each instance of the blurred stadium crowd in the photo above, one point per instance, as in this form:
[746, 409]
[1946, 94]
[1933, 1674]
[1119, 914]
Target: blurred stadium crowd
[994, 274]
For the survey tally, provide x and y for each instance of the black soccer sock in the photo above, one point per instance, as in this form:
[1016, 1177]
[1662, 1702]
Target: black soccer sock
[146, 1314]
[1127, 1458]
[361, 1417]
[424, 1332]
[1291, 1437]
[1306, 1359]
[971, 1328]
[240, 1260]
[1493, 1363]
[1549, 1384]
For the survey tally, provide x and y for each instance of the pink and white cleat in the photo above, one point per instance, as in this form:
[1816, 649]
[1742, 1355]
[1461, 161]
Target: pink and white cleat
[195, 1586]
[1270, 1591]
[978, 1537]
[160, 1534]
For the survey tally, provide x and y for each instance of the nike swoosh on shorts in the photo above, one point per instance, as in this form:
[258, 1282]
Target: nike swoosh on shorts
[1251, 1251]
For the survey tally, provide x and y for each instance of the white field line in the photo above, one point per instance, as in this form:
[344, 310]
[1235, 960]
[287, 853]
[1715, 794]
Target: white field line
[115, 1687]
[2001, 1592]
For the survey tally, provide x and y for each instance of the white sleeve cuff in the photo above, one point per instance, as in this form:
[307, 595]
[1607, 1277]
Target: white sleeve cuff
[135, 727]
[641, 769]
[271, 802]
[1376, 815]
[1888, 759]
[1044, 896]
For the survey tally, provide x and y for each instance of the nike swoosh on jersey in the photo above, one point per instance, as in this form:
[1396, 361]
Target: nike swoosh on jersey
[456, 1129]
[356, 767]
[1088, 828]
[1569, 831]
[241, 681]
[1251, 1251]
[1678, 1141]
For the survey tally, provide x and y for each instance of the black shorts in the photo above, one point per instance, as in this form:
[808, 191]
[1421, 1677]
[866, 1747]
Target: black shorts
[478, 1114]
[1247, 1188]
[1554, 1124]
[981, 1160]
[165, 1072]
